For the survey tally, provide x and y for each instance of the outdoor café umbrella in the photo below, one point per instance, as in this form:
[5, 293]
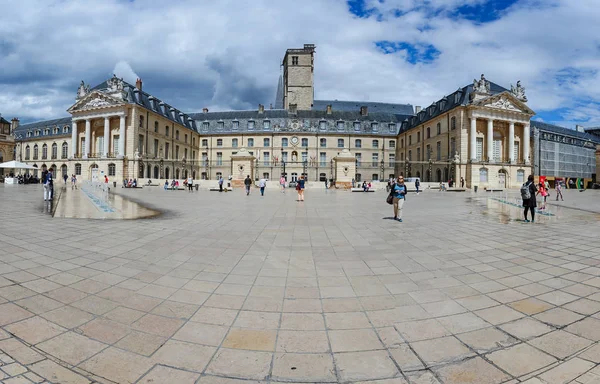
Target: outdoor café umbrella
[16, 165]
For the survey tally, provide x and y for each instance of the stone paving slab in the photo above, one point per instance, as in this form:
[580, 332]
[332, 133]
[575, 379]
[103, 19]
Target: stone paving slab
[229, 288]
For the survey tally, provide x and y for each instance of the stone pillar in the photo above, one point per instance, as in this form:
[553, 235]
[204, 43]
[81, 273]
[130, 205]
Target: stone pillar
[490, 140]
[345, 169]
[526, 143]
[242, 164]
[511, 142]
[106, 137]
[122, 136]
[88, 138]
[73, 139]
[473, 139]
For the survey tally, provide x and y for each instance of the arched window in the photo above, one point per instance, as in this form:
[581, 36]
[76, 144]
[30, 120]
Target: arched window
[234, 143]
[156, 172]
[438, 175]
[520, 176]
[323, 142]
[375, 143]
[78, 169]
[483, 175]
[35, 171]
[65, 150]
[27, 152]
[177, 173]
[358, 143]
[35, 152]
[340, 143]
[112, 169]
[148, 170]
[185, 174]
[167, 173]
[54, 150]
[453, 123]
[63, 170]
[44, 151]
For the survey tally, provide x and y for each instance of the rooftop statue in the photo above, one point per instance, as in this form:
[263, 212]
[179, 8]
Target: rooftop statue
[481, 86]
[518, 91]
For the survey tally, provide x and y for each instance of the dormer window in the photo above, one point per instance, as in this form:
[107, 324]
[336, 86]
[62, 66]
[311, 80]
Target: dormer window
[205, 125]
[235, 125]
[46, 131]
[340, 125]
[322, 125]
[220, 125]
[357, 126]
[37, 132]
[392, 127]
[266, 125]
[28, 133]
[65, 129]
[374, 127]
[250, 125]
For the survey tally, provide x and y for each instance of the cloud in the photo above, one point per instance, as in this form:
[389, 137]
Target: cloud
[227, 54]
[123, 70]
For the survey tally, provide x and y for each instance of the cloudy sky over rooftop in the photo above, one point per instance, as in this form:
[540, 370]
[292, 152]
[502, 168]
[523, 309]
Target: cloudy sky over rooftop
[226, 54]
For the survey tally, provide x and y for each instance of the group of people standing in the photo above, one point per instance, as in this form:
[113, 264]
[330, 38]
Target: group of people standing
[529, 193]
[262, 184]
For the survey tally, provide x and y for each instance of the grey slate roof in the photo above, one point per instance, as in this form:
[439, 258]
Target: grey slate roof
[135, 96]
[279, 94]
[445, 104]
[319, 122]
[3, 120]
[350, 106]
[21, 131]
[565, 131]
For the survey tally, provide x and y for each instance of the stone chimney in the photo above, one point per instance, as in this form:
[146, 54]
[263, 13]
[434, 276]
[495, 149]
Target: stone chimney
[205, 110]
[138, 84]
[261, 109]
[579, 128]
[293, 108]
[14, 123]
[329, 109]
[417, 109]
[364, 111]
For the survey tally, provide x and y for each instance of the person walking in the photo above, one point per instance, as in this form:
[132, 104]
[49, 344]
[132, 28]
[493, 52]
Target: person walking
[417, 184]
[528, 192]
[544, 192]
[73, 181]
[300, 188]
[65, 177]
[400, 191]
[190, 183]
[558, 191]
[262, 184]
[48, 185]
[282, 183]
[247, 184]
[166, 185]
[462, 182]
[220, 183]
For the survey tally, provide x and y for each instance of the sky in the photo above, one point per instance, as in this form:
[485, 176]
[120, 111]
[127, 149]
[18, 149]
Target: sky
[226, 54]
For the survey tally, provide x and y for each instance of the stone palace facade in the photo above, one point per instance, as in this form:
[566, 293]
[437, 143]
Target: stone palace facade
[481, 132]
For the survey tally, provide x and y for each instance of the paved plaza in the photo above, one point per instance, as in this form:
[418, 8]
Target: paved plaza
[232, 289]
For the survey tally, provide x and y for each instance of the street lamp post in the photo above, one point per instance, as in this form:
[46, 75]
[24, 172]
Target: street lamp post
[430, 168]
[382, 169]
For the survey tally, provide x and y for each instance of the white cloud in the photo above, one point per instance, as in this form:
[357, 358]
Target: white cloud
[226, 54]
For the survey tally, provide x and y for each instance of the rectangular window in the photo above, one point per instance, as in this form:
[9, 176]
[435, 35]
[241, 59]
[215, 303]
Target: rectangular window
[392, 128]
[251, 142]
[410, 140]
[141, 121]
[358, 157]
[391, 159]
[141, 143]
[483, 175]
[323, 143]
[375, 143]
[185, 138]
[220, 125]
[78, 169]
[340, 143]
[155, 147]
[452, 146]
[167, 131]
[479, 151]
[156, 126]
[205, 159]
[374, 159]
[266, 158]
[235, 125]
[112, 170]
[185, 153]
[205, 142]
[176, 135]
[418, 137]
[219, 158]
[294, 60]
[439, 128]
[428, 152]
[516, 153]
[497, 150]
[177, 152]
[166, 150]
[392, 144]
[284, 142]
[418, 154]
[234, 143]
[284, 156]
[323, 159]
[205, 126]
[305, 142]
[520, 176]
[304, 156]
[219, 142]
[438, 149]
[409, 155]
[115, 142]
[358, 143]
[266, 142]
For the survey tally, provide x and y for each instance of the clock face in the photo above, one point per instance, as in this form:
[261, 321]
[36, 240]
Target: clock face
[295, 140]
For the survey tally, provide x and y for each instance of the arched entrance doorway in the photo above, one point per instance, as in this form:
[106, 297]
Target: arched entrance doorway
[167, 174]
[177, 174]
[63, 170]
[148, 170]
[438, 175]
[502, 176]
[156, 171]
[94, 172]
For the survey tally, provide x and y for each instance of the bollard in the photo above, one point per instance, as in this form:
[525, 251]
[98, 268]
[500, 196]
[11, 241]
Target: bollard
[475, 188]
[197, 186]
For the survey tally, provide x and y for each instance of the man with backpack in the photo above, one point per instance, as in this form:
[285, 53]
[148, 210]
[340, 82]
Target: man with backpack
[399, 196]
[528, 192]
[48, 185]
[247, 184]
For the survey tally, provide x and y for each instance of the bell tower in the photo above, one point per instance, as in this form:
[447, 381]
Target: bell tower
[298, 78]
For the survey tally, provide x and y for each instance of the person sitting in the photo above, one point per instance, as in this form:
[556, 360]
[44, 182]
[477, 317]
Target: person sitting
[134, 183]
[166, 184]
[149, 182]
[125, 183]
[368, 186]
[364, 186]
[173, 185]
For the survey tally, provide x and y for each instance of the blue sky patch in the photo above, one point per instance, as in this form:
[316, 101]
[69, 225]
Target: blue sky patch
[359, 8]
[483, 12]
[415, 53]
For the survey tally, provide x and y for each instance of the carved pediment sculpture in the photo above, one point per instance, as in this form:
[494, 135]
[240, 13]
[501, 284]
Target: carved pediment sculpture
[97, 102]
[503, 103]
[518, 91]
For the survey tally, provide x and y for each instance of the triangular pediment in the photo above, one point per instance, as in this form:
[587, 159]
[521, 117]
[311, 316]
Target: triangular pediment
[505, 101]
[93, 101]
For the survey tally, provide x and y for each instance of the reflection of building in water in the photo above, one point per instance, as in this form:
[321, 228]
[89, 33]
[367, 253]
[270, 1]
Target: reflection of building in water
[7, 142]
[481, 132]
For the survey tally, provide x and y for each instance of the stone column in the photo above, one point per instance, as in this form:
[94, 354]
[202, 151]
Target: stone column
[526, 143]
[473, 139]
[73, 139]
[511, 142]
[88, 138]
[106, 137]
[122, 136]
[490, 140]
